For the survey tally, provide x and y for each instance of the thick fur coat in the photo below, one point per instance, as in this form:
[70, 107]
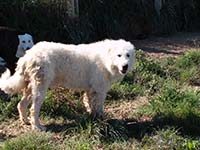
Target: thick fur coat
[88, 67]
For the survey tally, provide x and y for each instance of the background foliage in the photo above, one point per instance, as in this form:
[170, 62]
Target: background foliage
[99, 19]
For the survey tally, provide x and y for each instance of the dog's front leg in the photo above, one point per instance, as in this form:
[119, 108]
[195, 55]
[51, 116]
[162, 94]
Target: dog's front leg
[34, 115]
[96, 104]
[38, 94]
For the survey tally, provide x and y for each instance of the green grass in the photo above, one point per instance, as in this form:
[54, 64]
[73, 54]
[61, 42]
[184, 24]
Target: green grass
[170, 120]
[169, 139]
[31, 141]
[174, 102]
[8, 109]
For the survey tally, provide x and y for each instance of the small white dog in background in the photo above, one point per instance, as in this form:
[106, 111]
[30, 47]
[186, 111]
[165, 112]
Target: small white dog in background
[89, 67]
[25, 43]
[13, 45]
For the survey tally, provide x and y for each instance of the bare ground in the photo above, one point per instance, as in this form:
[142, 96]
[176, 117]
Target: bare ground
[173, 45]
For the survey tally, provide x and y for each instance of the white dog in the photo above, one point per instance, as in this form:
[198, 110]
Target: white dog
[13, 45]
[25, 43]
[89, 67]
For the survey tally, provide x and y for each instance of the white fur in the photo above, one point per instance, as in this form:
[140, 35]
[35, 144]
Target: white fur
[89, 67]
[25, 43]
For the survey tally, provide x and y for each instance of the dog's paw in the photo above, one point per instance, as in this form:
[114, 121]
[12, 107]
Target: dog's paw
[26, 121]
[39, 128]
[97, 116]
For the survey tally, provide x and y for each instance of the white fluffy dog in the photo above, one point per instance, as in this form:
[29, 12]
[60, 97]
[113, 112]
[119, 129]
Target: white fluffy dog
[13, 45]
[89, 67]
[25, 43]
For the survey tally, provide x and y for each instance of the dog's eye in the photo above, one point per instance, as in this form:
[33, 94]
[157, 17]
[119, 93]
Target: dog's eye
[119, 55]
[127, 55]
[23, 41]
[29, 41]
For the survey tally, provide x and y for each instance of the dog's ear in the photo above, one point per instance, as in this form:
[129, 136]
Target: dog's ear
[20, 37]
[28, 35]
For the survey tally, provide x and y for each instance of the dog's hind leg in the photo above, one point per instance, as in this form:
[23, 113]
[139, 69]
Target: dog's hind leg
[38, 95]
[22, 106]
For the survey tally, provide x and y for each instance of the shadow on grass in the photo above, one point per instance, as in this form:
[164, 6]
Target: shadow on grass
[189, 126]
[132, 128]
[56, 127]
[73, 124]
[156, 50]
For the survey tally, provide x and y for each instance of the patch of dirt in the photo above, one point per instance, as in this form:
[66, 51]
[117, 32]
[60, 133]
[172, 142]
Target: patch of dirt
[125, 109]
[12, 128]
[173, 45]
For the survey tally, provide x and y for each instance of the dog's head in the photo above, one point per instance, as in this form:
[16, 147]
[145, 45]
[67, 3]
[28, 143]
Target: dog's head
[122, 57]
[25, 43]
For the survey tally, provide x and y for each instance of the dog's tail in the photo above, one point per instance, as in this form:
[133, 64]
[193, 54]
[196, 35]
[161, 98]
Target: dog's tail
[11, 84]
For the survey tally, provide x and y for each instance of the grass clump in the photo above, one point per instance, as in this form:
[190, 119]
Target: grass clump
[83, 137]
[92, 135]
[149, 74]
[172, 101]
[175, 107]
[168, 139]
[124, 90]
[189, 69]
[191, 58]
[8, 109]
[31, 141]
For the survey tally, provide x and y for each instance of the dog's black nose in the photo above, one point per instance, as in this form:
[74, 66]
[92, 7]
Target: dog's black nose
[125, 67]
[27, 48]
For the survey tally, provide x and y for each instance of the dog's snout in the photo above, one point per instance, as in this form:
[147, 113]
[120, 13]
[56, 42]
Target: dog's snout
[125, 67]
[27, 48]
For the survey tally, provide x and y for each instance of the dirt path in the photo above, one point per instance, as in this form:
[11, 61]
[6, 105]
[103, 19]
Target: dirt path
[173, 45]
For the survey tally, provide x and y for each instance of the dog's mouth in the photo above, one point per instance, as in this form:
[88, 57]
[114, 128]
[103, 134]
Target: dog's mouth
[124, 69]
